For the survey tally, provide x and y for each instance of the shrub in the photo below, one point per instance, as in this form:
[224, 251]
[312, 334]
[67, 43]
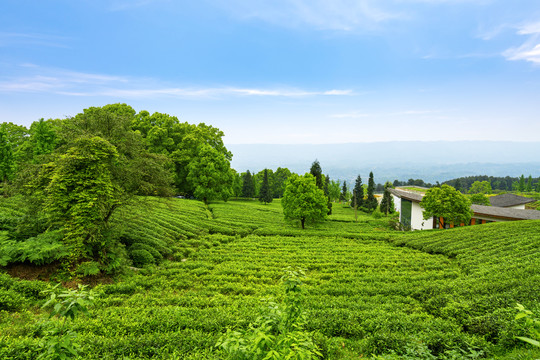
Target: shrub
[141, 258]
[10, 300]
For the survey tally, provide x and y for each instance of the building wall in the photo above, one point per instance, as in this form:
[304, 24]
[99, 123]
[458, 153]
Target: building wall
[522, 207]
[417, 218]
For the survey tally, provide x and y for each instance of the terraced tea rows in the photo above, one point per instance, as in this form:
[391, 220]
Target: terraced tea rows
[369, 290]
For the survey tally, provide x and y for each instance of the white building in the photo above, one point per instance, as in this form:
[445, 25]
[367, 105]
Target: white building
[407, 203]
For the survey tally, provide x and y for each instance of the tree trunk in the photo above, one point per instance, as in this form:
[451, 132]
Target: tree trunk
[302, 220]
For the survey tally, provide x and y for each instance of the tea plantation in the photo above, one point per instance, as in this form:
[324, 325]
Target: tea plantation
[370, 291]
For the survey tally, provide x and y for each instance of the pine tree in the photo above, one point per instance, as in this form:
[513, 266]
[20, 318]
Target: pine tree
[265, 194]
[343, 195]
[358, 193]
[316, 171]
[248, 188]
[521, 186]
[529, 186]
[371, 201]
[387, 202]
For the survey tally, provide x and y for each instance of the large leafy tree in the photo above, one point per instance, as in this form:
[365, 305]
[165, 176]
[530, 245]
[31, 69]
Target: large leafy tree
[210, 175]
[303, 200]
[371, 202]
[180, 142]
[99, 164]
[480, 187]
[236, 184]
[80, 196]
[280, 179]
[7, 160]
[265, 193]
[446, 202]
[43, 137]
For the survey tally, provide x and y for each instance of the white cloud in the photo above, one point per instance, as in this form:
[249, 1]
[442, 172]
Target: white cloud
[358, 114]
[343, 15]
[18, 39]
[530, 49]
[65, 82]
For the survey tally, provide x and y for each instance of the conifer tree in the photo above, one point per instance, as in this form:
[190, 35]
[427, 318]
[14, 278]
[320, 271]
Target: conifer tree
[387, 202]
[316, 171]
[358, 193]
[327, 194]
[343, 195]
[521, 185]
[529, 186]
[248, 188]
[265, 194]
[371, 201]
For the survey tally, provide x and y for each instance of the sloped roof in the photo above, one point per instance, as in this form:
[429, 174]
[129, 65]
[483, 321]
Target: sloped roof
[506, 213]
[507, 200]
[490, 211]
[408, 195]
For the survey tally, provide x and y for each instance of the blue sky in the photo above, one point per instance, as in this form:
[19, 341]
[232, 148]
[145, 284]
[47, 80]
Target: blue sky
[282, 71]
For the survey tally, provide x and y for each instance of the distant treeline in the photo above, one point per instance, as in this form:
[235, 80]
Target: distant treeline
[507, 183]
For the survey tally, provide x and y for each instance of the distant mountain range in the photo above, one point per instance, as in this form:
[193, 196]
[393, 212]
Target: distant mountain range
[402, 160]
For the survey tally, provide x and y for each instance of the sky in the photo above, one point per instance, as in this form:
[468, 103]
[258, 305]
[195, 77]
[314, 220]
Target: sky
[282, 71]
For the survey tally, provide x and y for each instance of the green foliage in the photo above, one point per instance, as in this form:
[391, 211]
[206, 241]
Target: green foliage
[480, 187]
[279, 333]
[358, 193]
[387, 202]
[533, 324]
[317, 173]
[446, 202]
[80, 202]
[480, 199]
[344, 195]
[265, 194]
[10, 300]
[142, 257]
[303, 200]
[371, 202]
[7, 160]
[279, 180]
[179, 142]
[210, 175]
[58, 342]
[248, 187]
[40, 250]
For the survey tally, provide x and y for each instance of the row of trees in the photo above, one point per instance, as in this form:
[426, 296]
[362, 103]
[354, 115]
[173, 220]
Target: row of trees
[507, 183]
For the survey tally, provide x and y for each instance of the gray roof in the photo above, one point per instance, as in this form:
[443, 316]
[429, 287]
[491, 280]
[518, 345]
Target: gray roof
[506, 213]
[490, 211]
[409, 195]
[507, 200]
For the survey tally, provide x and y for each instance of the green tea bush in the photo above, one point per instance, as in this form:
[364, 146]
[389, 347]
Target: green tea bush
[10, 300]
[142, 258]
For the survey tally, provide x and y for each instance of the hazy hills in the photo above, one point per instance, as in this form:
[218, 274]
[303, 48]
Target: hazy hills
[430, 161]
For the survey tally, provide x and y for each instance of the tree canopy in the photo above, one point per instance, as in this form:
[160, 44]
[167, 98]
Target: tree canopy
[446, 202]
[303, 200]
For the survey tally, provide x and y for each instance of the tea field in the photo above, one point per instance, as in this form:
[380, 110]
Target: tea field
[370, 291]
